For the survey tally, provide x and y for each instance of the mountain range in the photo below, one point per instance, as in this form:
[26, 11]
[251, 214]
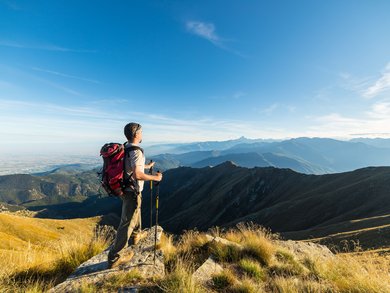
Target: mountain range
[304, 155]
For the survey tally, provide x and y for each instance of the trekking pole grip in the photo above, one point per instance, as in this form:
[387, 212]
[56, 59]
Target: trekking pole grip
[157, 182]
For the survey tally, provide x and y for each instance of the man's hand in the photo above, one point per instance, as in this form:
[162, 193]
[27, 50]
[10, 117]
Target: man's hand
[158, 177]
[151, 164]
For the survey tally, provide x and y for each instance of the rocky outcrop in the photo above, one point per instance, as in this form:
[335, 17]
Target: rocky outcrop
[304, 249]
[96, 269]
[203, 274]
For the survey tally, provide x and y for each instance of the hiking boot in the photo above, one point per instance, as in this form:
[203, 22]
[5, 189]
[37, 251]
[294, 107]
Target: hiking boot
[136, 237]
[125, 258]
[112, 261]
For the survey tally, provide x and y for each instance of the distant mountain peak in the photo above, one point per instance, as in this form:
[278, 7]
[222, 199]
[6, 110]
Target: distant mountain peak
[227, 164]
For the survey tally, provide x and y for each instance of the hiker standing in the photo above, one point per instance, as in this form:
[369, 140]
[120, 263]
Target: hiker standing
[130, 223]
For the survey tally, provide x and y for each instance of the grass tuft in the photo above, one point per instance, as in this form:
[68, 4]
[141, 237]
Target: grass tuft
[247, 286]
[252, 269]
[225, 253]
[223, 280]
[259, 248]
[122, 279]
[180, 280]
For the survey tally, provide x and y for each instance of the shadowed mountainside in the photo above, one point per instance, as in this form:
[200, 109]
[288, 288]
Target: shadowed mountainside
[281, 199]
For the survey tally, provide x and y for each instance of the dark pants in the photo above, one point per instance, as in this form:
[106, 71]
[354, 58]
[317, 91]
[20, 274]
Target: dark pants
[130, 220]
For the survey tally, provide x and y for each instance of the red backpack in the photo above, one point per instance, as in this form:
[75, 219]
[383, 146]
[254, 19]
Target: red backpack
[112, 174]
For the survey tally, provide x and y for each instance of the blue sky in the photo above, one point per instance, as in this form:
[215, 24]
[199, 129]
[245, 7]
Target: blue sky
[73, 73]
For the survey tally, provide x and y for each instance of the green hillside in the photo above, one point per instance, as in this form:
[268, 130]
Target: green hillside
[23, 188]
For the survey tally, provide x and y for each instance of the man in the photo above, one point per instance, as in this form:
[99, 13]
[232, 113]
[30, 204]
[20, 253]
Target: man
[131, 200]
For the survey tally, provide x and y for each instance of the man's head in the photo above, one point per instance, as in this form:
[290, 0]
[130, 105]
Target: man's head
[133, 132]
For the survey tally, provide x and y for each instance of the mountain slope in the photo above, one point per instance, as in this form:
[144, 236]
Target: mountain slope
[19, 233]
[22, 188]
[277, 198]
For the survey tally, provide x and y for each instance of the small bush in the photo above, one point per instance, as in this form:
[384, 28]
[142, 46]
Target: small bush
[287, 265]
[252, 269]
[260, 248]
[284, 256]
[223, 280]
[180, 280]
[225, 253]
[247, 286]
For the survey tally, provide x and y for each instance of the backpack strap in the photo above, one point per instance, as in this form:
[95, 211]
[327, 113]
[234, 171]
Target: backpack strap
[132, 148]
[128, 181]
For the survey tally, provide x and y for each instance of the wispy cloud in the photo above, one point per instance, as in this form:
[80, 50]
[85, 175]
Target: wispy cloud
[367, 87]
[354, 84]
[275, 106]
[207, 31]
[65, 75]
[371, 123]
[46, 47]
[204, 30]
[44, 123]
[380, 110]
[380, 85]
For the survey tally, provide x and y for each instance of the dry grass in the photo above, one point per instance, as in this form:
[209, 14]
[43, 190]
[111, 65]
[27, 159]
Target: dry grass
[42, 264]
[263, 266]
[122, 279]
[258, 265]
[247, 286]
[287, 265]
[252, 269]
[168, 249]
[224, 280]
[350, 274]
[180, 280]
[225, 253]
[295, 285]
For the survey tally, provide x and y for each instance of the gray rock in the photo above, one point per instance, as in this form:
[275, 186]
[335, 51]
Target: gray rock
[204, 273]
[304, 249]
[95, 270]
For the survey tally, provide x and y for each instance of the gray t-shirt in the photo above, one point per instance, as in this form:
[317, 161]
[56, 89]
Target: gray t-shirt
[135, 158]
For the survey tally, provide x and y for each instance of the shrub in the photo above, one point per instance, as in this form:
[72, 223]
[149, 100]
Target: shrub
[223, 280]
[260, 248]
[247, 286]
[180, 280]
[252, 269]
[225, 253]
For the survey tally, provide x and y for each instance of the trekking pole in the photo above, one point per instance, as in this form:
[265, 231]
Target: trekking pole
[155, 230]
[151, 196]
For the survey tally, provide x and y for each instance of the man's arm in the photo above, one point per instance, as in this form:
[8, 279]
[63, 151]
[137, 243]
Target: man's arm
[140, 175]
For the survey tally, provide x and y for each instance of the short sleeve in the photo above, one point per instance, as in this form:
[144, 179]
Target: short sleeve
[137, 158]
